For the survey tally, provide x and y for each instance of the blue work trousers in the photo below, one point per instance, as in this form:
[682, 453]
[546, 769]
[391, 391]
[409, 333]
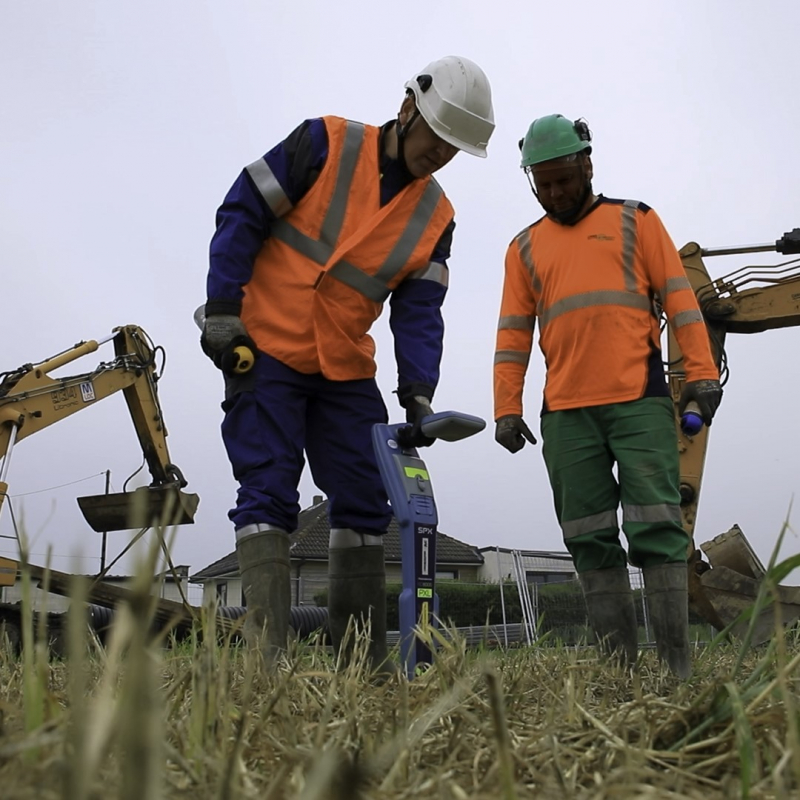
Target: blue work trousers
[274, 414]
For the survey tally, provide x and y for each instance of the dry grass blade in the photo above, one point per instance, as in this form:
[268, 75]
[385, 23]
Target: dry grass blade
[141, 732]
[78, 777]
[501, 733]
[744, 740]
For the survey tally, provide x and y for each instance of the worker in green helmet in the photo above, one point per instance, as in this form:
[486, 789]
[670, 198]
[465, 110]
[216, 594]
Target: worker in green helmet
[592, 271]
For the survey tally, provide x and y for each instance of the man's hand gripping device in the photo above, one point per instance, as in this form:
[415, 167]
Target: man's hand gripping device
[408, 485]
[237, 358]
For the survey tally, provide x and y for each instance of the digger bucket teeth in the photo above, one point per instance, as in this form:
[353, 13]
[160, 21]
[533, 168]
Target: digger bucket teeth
[731, 585]
[142, 508]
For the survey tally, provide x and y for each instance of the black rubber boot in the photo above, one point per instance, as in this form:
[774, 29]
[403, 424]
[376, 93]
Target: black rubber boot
[668, 603]
[612, 614]
[263, 554]
[357, 590]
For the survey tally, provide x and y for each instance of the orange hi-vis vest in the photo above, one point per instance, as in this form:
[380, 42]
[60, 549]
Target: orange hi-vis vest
[593, 288]
[321, 278]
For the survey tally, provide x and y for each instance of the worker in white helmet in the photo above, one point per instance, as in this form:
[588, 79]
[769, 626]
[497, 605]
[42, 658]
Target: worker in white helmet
[311, 240]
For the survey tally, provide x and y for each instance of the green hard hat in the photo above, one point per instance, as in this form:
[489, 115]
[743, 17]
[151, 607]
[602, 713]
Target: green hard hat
[554, 136]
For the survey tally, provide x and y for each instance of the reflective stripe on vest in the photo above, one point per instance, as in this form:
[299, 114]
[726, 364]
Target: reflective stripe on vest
[377, 287]
[320, 250]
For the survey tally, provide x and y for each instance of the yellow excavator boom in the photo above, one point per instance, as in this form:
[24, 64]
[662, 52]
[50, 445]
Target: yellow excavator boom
[749, 300]
[32, 399]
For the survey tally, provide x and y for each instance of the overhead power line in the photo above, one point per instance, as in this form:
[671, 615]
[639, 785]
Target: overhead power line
[58, 486]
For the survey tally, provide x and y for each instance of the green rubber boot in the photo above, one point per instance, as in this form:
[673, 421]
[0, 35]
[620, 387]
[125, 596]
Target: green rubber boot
[668, 602]
[612, 614]
[263, 554]
[357, 590]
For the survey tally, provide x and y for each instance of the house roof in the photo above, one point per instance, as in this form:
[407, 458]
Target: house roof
[536, 560]
[181, 571]
[310, 542]
[561, 555]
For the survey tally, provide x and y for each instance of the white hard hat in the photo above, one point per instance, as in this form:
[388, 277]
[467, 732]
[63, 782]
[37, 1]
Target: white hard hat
[454, 97]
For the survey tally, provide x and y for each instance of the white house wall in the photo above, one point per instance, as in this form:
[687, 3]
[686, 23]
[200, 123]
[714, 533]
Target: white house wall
[500, 563]
[313, 579]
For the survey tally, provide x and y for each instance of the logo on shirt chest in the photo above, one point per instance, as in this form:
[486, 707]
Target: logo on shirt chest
[601, 237]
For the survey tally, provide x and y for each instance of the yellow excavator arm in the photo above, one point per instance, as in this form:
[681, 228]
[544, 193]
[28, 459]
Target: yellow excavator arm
[32, 399]
[749, 300]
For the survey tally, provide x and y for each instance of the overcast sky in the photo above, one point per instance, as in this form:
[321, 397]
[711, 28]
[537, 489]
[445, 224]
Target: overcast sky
[122, 126]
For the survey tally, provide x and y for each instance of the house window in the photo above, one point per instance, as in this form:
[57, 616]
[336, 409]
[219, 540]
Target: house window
[447, 574]
[222, 593]
[548, 577]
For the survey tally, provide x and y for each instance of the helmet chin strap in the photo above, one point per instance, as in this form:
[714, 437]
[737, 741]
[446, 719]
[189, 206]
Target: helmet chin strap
[402, 132]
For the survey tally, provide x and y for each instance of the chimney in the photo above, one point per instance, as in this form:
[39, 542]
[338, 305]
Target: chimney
[318, 498]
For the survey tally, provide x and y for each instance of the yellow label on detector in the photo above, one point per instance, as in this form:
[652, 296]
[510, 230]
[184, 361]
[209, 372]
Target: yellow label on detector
[416, 472]
[425, 594]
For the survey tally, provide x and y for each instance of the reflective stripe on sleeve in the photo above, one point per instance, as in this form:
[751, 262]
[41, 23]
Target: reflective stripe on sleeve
[512, 356]
[676, 285]
[434, 271]
[686, 318]
[516, 322]
[269, 187]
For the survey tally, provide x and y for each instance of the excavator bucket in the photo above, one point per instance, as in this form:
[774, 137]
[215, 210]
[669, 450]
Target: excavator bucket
[145, 507]
[730, 583]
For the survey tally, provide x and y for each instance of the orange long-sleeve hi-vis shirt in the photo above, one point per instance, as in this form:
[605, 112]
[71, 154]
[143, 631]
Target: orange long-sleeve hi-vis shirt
[593, 287]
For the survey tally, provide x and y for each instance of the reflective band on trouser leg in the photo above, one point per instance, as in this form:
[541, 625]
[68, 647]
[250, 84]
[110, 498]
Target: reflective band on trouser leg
[345, 538]
[585, 491]
[644, 441]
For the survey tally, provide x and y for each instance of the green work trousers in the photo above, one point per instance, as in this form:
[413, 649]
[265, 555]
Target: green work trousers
[581, 447]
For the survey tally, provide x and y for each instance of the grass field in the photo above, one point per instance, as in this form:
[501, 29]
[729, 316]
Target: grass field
[198, 719]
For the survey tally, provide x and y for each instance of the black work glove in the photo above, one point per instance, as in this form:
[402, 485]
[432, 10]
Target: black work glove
[417, 408]
[706, 393]
[511, 432]
[225, 341]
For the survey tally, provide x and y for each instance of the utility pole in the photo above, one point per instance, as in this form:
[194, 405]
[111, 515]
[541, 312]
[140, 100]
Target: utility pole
[105, 533]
